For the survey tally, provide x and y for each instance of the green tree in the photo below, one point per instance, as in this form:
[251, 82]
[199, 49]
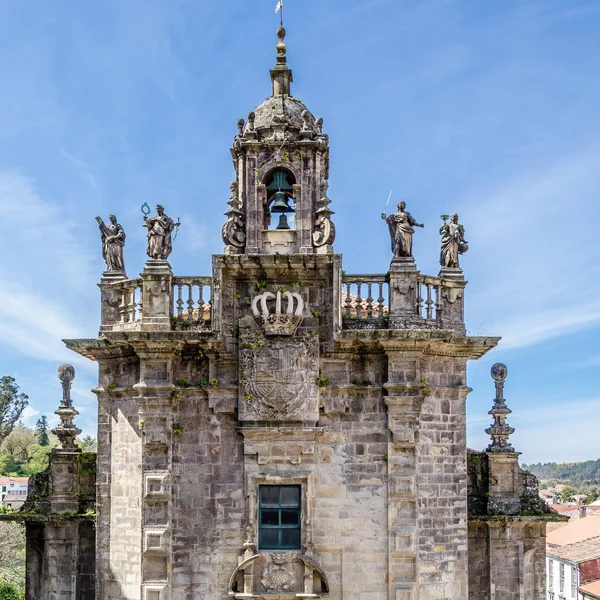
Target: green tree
[88, 443]
[12, 404]
[41, 429]
[566, 494]
[21, 454]
[12, 557]
[11, 591]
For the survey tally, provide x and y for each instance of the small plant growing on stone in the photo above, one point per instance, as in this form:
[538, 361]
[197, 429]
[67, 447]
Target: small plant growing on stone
[175, 395]
[178, 429]
[385, 457]
[203, 382]
[112, 385]
[323, 382]
[316, 314]
[238, 296]
[248, 301]
[214, 382]
[249, 396]
[286, 156]
[183, 383]
[323, 337]
[261, 283]
[271, 415]
[142, 423]
[295, 284]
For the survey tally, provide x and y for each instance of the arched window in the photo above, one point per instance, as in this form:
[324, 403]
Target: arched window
[280, 210]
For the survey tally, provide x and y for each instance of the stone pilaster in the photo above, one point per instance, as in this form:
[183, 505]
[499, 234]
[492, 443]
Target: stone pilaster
[110, 299]
[404, 402]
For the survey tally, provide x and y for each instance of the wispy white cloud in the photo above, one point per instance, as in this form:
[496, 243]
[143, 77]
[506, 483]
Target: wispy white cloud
[536, 274]
[48, 279]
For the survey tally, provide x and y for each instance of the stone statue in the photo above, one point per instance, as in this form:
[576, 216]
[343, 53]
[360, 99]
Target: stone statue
[160, 228]
[113, 242]
[453, 242]
[401, 226]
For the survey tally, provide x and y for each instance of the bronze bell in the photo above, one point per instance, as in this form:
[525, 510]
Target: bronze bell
[281, 205]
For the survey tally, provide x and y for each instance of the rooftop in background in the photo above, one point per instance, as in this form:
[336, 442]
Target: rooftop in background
[579, 551]
[575, 531]
[8, 479]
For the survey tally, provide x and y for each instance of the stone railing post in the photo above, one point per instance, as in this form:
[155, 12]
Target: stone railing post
[451, 302]
[403, 291]
[157, 295]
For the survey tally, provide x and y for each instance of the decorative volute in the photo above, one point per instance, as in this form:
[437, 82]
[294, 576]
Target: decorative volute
[281, 158]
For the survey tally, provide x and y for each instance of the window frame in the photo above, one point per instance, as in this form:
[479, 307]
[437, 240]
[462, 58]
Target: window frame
[280, 527]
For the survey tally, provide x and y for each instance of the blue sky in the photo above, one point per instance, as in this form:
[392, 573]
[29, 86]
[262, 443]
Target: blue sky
[489, 109]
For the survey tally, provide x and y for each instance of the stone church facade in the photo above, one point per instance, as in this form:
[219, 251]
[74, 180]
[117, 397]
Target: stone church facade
[281, 429]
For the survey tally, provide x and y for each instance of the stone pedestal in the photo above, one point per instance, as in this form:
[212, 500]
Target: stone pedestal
[452, 299]
[504, 483]
[403, 291]
[157, 295]
[110, 299]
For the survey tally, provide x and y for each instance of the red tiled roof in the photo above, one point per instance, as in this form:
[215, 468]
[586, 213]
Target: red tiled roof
[592, 588]
[575, 531]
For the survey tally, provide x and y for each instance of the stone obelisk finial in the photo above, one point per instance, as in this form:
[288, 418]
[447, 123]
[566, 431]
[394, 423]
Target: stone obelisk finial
[66, 431]
[499, 430]
[281, 74]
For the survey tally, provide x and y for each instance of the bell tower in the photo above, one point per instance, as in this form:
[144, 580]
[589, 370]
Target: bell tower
[279, 201]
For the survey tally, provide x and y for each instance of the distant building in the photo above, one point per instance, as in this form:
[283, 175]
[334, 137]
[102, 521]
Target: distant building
[13, 491]
[573, 560]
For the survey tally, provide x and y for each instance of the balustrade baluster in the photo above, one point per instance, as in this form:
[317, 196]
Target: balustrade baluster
[429, 303]
[438, 302]
[201, 301]
[132, 303]
[140, 304]
[419, 299]
[369, 301]
[179, 301]
[123, 305]
[348, 301]
[190, 302]
[358, 301]
[380, 300]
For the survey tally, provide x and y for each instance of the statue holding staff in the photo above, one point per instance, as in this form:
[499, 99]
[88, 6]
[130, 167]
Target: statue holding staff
[453, 242]
[113, 242]
[401, 226]
[160, 227]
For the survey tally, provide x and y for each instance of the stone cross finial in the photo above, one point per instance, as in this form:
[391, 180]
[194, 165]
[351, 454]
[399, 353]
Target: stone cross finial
[499, 430]
[66, 431]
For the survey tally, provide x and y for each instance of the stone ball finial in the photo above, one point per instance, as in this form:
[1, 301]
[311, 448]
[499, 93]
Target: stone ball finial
[66, 373]
[499, 372]
[281, 33]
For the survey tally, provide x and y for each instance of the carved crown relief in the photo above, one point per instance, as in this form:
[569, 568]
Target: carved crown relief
[272, 319]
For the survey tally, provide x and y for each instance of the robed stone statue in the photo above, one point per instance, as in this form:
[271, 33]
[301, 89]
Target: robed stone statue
[160, 228]
[113, 242]
[453, 242]
[401, 226]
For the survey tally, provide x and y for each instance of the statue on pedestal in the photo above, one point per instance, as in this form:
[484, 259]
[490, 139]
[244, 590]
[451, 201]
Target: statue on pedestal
[160, 228]
[401, 226]
[453, 242]
[113, 242]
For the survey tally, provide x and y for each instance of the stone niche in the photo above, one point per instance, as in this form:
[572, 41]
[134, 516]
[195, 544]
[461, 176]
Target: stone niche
[281, 575]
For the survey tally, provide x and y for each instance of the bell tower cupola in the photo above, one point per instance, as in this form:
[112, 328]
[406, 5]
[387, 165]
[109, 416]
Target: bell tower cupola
[279, 202]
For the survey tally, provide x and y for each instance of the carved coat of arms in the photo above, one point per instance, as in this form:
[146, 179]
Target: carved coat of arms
[278, 375]
[277, 576]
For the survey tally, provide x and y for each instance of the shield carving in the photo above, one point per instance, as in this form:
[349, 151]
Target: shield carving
[278, 376]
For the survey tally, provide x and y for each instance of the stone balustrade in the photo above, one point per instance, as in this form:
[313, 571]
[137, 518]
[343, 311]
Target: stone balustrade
[395, 300]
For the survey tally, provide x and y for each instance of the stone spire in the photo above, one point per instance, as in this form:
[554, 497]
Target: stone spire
[281, 74]
[66, 431]
[499, 430]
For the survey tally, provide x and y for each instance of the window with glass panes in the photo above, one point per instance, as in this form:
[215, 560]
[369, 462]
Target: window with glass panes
[279, 517]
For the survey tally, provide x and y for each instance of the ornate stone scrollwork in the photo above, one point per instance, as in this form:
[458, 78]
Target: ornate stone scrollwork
[324, 231]
[277, 576]
[277, 322]
[234, 230]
